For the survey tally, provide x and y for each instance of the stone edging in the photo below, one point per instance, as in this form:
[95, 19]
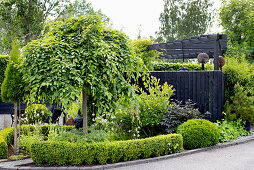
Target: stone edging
[13, 165]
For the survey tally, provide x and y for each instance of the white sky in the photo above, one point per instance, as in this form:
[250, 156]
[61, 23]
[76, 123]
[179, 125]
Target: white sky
[129, 15]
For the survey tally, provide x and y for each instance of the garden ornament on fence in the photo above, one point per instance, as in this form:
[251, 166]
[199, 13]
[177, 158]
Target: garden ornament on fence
[222, 62]
[78, 121]
[203, 58]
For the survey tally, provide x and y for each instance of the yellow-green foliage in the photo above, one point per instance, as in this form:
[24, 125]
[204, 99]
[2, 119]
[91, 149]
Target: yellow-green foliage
[140, 49]
[164, 66]
[6, 135]
[6, 138]
[199, 133]
[64, 153]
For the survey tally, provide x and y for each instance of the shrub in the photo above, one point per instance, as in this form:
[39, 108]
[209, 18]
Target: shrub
[77, 136]
[3, 148]
[198, 133]
[6, 136]
[64, 153]
[242, 105]
[6, 139]
[140, 49]
[177, 113]
[142, 116]
[164, 66]
[36, 113]
[230, 130]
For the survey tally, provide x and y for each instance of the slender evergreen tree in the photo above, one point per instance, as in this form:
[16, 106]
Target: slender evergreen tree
[12, 87]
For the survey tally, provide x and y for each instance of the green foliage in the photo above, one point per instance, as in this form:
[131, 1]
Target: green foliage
[142, 117]
[242, 104]
[64, 153]
[12, 86]
[77, 136]
[3, 64]
[239, 89]
[184, 19]
[29, 133]
[164, 66]
[230, 130]
[80, 53]
[78, 8]
[36, 113]
[3, 148]
[198, 133]
[6, 139]
[141, 50]
[27, 141]
[177, 113]
[237, 19]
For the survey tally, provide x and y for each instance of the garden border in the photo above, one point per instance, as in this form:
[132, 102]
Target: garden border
[13, 165]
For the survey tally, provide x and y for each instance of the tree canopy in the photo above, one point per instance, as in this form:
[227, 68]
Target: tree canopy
[183, 19]
[79, 53]
[24, 20]
[237, 19]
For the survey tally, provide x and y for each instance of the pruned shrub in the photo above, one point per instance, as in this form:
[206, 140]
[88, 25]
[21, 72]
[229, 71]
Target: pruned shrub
[65, 153]
[178, 113]
[36, 113]
[199, 133]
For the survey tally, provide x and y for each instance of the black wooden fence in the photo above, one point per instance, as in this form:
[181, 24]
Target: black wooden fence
[205, 88]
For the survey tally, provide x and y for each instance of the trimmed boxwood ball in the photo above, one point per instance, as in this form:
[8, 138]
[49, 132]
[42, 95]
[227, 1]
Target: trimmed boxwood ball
[198, 133]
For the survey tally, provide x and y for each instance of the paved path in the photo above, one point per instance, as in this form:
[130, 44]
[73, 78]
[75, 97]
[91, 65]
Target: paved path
[238, 157]
[235, 155]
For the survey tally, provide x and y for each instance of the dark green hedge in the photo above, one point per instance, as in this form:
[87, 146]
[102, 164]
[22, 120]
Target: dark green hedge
[64, 153]
[164, 66]
[7, 135]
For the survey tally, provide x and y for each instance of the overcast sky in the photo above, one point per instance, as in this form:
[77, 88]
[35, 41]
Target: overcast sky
[129, 15]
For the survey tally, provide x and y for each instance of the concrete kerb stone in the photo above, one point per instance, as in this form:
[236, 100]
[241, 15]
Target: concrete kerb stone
[15, 164]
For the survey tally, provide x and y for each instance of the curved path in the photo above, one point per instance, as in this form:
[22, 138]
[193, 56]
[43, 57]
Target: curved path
[235, 155]
[238, 157]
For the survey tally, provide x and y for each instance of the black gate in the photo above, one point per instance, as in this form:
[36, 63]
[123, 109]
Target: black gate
[205, 88]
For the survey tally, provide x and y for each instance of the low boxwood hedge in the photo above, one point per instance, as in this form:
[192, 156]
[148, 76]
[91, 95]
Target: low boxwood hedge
[65, 153]
[6, 135]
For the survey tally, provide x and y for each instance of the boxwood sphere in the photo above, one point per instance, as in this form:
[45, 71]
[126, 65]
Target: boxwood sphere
[198, 133]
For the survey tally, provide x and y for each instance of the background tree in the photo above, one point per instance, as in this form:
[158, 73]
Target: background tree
[12, 86]
[183, 19]
[79, 54]
[79, 8]
[237, 19]
[23, 20]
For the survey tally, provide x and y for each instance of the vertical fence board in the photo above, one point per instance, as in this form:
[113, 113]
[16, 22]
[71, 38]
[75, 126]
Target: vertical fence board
[205, 88]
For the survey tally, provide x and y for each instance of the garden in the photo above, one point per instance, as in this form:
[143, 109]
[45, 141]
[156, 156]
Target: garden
[92, 72]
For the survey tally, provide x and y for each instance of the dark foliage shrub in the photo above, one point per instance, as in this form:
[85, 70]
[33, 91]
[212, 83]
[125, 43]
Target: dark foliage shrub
[178, 113]
[65, 153]
[199, 133]
[3, 65]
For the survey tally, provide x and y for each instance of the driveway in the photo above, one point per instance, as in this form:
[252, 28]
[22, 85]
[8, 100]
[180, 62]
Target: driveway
[238, 157]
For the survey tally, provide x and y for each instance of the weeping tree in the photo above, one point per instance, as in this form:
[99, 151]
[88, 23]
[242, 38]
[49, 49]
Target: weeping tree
[79, 54]
[12, 86]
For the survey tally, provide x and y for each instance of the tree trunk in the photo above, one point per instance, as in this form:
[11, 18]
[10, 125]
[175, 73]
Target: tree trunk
[84, 105]
[15, 127]
[19, 126]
